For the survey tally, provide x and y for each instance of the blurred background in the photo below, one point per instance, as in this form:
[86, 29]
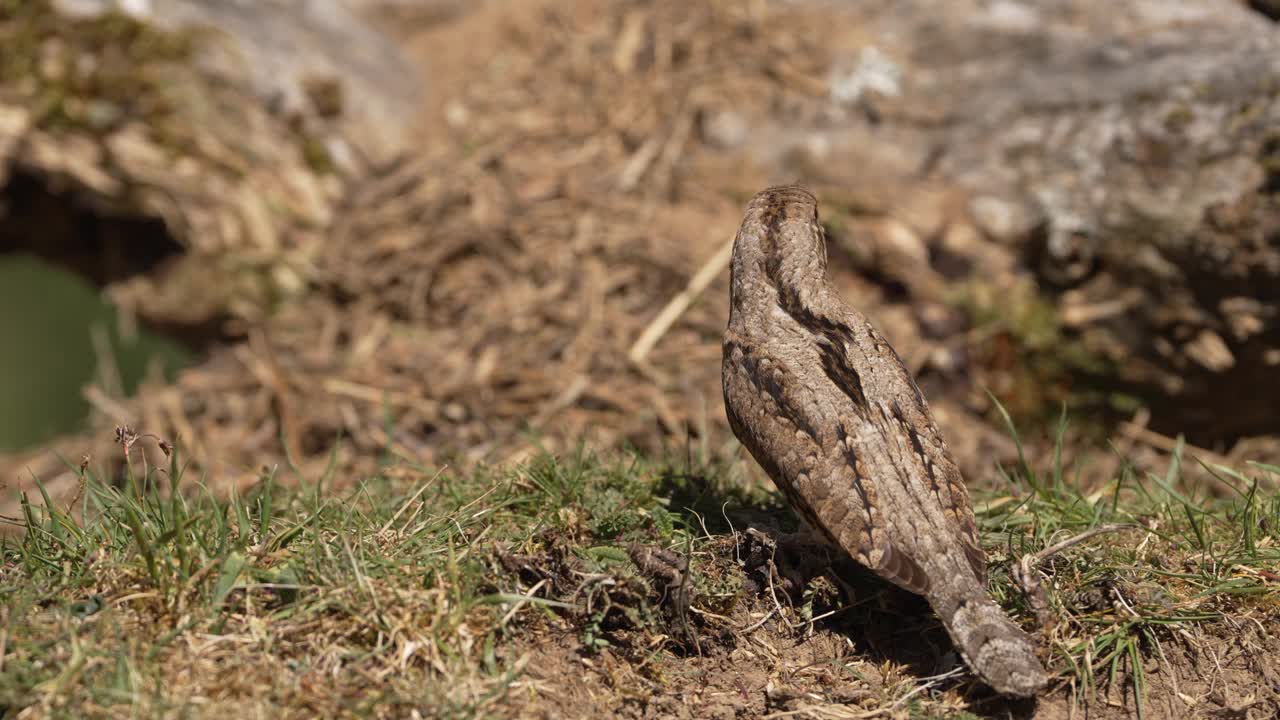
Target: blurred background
[286, 232]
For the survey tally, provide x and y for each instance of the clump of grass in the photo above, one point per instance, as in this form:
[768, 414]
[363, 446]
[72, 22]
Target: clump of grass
[1169, 564]
[430, 591]
[415, 578]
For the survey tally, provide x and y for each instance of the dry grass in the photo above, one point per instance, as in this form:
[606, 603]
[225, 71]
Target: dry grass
[517, 258]
[481, 300]
[617, 586]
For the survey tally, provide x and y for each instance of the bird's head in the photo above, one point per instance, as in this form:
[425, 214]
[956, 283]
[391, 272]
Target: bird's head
[781, 246]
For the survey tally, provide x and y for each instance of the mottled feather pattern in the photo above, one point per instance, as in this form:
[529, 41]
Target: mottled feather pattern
[823, 402]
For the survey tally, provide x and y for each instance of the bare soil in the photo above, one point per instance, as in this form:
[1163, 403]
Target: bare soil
[868, 645]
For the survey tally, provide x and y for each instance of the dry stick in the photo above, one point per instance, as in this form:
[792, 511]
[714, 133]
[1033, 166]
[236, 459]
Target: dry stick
[1075, 315]
[678, 304]
[1030, 584]
[747, 630]
[877, 712]
[639, 163]
[523, 601]
[773, 593]
[930, 682]
[1168, 444]
[1039, 557]
[104, 403]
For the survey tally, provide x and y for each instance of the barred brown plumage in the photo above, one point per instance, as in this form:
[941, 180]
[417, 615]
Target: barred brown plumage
[824, 404]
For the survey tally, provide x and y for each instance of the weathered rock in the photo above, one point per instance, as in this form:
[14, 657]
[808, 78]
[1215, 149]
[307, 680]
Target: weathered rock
[319, 59]
[1127, 152]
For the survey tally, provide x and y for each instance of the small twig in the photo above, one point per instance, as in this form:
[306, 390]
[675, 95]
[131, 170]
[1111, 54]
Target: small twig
[1173, 676]
[831, 613]
[1038, 557]
[1076, 315]
[639, 163]
[737, 548]
[523, 601]
[702, 522]
[773, 594]
[929, 682]
[707, 613]
[567, 397]
[682, 601]
[757, 625]
[1024, 571]
[1115, 592]
[1168, 444]
[678, 304]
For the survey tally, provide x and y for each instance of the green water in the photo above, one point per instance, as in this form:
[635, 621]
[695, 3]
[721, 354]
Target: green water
[48, 318]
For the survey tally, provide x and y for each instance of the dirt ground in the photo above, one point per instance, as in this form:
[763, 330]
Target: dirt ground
[546, 266]
[774, 675]
[861, 660]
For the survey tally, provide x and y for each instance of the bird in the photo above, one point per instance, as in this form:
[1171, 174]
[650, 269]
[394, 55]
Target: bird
[825, 406]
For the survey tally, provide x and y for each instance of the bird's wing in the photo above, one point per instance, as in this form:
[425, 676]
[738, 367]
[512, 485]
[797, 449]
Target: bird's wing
[898, 411]
[813, 459]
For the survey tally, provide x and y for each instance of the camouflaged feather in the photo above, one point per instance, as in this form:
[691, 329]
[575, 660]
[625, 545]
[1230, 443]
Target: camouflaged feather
[824, 404]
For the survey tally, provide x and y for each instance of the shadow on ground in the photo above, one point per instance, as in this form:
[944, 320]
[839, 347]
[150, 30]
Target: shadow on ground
[783, 564]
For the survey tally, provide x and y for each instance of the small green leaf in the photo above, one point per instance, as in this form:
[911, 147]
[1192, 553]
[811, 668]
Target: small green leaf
[232, 566]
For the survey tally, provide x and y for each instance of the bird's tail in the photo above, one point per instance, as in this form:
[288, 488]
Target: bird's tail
[995, 648]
